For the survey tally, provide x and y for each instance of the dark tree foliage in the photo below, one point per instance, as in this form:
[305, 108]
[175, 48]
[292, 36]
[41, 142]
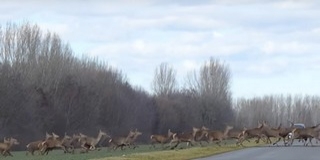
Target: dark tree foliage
[45, 88]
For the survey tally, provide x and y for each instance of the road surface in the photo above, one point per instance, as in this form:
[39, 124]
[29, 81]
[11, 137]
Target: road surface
[295, 152]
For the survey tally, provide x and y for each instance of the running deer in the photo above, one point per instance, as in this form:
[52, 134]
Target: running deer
[90, 141]
[271, 132]
[36, 145]
[218, 135]
[306, 133]
[162, 139]
[69, 142]
[237, 135]
[284, 133]
[199, 134]
[252, 133]
[131, 141]
[184, 137]
[6, 146]
[50, 144]
[121, 142]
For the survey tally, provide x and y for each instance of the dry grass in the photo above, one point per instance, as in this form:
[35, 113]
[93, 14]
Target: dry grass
[190, 153]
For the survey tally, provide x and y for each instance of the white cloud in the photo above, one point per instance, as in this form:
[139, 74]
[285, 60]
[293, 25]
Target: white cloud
[261, 40]
[268, 47]
[60, 29]
[217, 34]
[268, 67]
[139, 45]
[293, 4]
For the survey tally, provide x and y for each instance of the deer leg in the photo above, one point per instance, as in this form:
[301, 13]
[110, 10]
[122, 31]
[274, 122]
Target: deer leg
[218, 143]
[310, 140]
[152, 145]
[72, 149]
[9, 153]
[188, 143]
[257, 140]
[276, 142]
[239, 141]
[135, 146]
[178, 142]
[192, 143]
[269, 140]
[285, 142]
[172, 142]
[306, 142]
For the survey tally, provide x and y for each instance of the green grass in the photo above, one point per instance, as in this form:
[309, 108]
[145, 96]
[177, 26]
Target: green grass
[190, 153]
[143, 152]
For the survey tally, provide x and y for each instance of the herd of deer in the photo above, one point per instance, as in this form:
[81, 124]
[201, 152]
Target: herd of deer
[263, 131]
[196, 136]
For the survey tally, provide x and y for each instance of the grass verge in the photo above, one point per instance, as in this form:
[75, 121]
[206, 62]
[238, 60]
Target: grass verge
[190, 153]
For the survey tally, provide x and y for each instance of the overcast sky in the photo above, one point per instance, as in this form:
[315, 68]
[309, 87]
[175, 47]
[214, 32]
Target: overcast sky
[271, 46]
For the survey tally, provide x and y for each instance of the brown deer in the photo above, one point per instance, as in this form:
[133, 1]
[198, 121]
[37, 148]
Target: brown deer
[50, 144]
[271, 132]
[70, 142]
[121, 142]
[218, 136]
[90, 141]
[133, 139]
[252, 133]
[237, 135]
[36, 145]
[5, 147]
[306, 133]
[199, 134]
[184, 137]
[284, 132]
[162, 139]
[33, 146]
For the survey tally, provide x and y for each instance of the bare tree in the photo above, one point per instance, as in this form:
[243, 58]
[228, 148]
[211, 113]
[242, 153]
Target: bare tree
[277, 109]
[44, 87]
[212, 87]
[164, 82]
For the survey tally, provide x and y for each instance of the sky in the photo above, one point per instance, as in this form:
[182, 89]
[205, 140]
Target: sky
[270, 46]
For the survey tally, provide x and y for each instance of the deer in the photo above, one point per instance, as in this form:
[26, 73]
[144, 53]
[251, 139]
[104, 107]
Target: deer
[6, 146]
[271, 132]
[162, 139]
[218, 135]
[284, 132]
[188, 137]
[133, 139]
[237, 134]
[306, 133]
[35, 146]
[69, 142]
[252, 133]
[51, 144]
[199, 134]
[90, 141]
[117, 142]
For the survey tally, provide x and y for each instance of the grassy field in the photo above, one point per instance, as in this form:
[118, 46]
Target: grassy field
[141, 153]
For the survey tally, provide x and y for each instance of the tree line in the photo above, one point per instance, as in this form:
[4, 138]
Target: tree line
[44, 87]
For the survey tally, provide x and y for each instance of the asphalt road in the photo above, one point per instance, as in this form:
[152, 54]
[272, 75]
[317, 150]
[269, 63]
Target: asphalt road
[295, 152]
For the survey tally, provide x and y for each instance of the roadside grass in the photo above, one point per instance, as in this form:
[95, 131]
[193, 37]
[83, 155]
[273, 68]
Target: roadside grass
[178, 154]
[143, 152]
